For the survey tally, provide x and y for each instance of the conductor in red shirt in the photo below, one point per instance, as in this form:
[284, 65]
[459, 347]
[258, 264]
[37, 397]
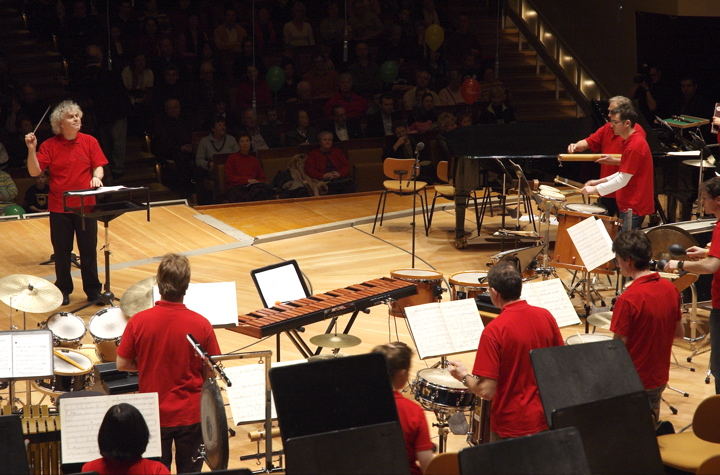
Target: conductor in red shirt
[646, 316]
[329, 164]
[155, 344]
[75, 162]
[503, 372]
[633, 182]
[604, 141]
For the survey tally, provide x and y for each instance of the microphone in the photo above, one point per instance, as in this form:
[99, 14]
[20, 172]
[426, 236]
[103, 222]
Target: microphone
[419, 147]
[677, 250]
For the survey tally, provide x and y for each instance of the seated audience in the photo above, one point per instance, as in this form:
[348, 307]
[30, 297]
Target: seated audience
[263, 95]
[403, 146]
[329, 164]
[288, 90]
[354, 104]
[498, 111]
[365, 23]
[229, 35]
[364, 71]
[263, 138]
[342, 128]
[322, 77]
[423, 118]
[418, 447]
[8, 189]
[244, 176]
[450, 95]
[413, 96]
[217, 142]
[36, 197]
[172, 142]
[298, 32]
[122, 439]
[265, 36]
[380, 124]
[303, 133]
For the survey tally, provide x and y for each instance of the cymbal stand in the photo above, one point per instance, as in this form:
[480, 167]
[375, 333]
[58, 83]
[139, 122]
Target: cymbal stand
[699, 143]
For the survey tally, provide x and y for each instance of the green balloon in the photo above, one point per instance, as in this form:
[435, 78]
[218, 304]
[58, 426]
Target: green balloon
[275, 78]
[389, 71]
[14, 210]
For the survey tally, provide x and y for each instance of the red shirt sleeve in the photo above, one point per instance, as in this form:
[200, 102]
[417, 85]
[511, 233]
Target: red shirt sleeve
[631, 160]
[97, 157]
[595, 139]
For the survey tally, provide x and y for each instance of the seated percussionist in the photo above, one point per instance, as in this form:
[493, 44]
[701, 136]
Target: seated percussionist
[503, 372]
[412, 417]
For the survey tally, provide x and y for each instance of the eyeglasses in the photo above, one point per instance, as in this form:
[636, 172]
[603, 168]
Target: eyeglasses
[616, 122]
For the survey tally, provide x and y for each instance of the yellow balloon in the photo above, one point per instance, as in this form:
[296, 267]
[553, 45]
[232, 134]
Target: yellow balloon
[434, 36]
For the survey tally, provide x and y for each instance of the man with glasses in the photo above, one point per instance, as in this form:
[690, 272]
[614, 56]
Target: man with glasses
[633, 181]
[604, 141]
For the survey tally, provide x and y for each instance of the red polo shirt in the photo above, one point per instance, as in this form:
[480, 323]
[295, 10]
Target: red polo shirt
[240, 168]
[715, 252]
[504, 355]
[105, 466]
[70, 163]
[639, 193]
[646, 313]
[604, 140]
[156, 339]
[415, 429]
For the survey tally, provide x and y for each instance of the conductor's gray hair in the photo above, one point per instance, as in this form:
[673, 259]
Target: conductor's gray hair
[60, 111]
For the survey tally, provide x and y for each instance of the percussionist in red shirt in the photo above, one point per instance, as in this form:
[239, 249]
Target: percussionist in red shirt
[633, 182]
[155, 344]
[604, 141]
[503, 372]
[75, 162]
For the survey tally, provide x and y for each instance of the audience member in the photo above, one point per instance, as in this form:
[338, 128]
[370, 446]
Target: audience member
[365, 23]
[490, 84]
[413, 96]
[244, 176]
[36, 197]
[470, 68]
[414, 426]
[465, 119]
[342, 128]
[122, 439]
[365, 72]
[4, 157]
[139, 80]
[8, 189]
[462, 39]
[265, 35]
[172, 141]
[217, 142]
[245, 58]
[322, 77]
[331, 30]
[329, 164]
[429, 13]
[119, 49]
[446, 121]
[263, 138]
[422, 118]
[30, 104]
[498, 111]
[146, 42]
[298, 32]
[652, 94]
[380, 124]
[171, 86]
[288, 90]
[690, 102]
[355, 105]
[436, 65]
[166, 56]
[191, 41]
[304, 100]
[229, 35]
[403, 146]
[450, 95]
[253, 90]
[208, 91]
[303, 133]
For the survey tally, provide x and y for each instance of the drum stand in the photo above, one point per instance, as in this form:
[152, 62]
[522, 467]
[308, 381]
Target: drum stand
[443, 429]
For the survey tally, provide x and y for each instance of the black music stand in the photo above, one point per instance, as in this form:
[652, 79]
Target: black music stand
[12, 450]
[105, 212]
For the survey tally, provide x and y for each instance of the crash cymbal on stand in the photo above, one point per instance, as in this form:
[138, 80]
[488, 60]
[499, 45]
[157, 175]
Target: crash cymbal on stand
[600, 320]
[138, 297]
[28, 293]
[335, 340]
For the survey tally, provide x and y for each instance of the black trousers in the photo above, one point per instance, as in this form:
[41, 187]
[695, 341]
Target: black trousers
[63, 228]
[187, 441]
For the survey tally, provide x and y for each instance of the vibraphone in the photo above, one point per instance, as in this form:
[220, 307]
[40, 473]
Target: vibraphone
[42, 430]
[289, 317]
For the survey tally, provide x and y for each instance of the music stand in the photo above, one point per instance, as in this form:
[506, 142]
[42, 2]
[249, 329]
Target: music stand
[12, 450]
[106, 212]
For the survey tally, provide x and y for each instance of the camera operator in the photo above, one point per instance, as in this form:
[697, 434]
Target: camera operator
[651, 93]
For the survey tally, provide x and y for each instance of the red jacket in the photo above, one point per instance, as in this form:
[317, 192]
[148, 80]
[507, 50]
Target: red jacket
[316, 164]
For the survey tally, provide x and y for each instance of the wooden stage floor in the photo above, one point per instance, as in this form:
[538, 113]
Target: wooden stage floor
[344, 254]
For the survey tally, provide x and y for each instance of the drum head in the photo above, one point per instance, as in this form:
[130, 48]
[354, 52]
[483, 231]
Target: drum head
[416, 274]
[108, 324]
[66, 326]
[550, 193]
[214, 426]
[440, 377]
[63, 368]
[662, 237]
[470, 278]
[586, 338]
[586, 208]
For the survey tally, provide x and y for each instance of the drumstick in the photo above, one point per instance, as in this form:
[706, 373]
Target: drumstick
[68, 360]
[557, 180]
[38, 124]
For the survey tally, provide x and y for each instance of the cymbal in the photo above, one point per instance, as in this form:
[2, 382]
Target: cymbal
[335, 340]
[138, 297]
[696, 163]
[28, 293]
[600, 319]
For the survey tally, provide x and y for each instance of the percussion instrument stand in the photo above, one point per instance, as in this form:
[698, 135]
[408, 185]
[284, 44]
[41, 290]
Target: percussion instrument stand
[443, 429]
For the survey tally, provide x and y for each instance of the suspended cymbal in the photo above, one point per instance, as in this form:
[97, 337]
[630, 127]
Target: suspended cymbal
[138, 297]
[696, 163]
[28, 293]
[600, 319]
[335, 340]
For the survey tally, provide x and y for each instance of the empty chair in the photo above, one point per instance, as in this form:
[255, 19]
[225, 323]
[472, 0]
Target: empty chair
[401, 182]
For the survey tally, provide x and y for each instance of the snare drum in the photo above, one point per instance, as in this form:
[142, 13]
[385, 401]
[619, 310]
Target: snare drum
[106, 327]
[480, 423]
[587, 209]
[579, 339]
[428, 289]
[67, 377]
[67, 329]
[436, 390]
[467, 284]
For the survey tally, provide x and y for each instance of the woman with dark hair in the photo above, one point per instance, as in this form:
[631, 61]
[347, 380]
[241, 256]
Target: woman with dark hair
[122, 439]
[244, 176]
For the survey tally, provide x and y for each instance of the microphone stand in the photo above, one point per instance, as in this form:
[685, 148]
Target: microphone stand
[416, 172]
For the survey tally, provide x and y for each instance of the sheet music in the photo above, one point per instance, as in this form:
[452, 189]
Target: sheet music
[247, 394]
[592, 242]
[551, 295]
[445, 328]
[81, 417]
[97, 191]
[216, 301]
[26, 354]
